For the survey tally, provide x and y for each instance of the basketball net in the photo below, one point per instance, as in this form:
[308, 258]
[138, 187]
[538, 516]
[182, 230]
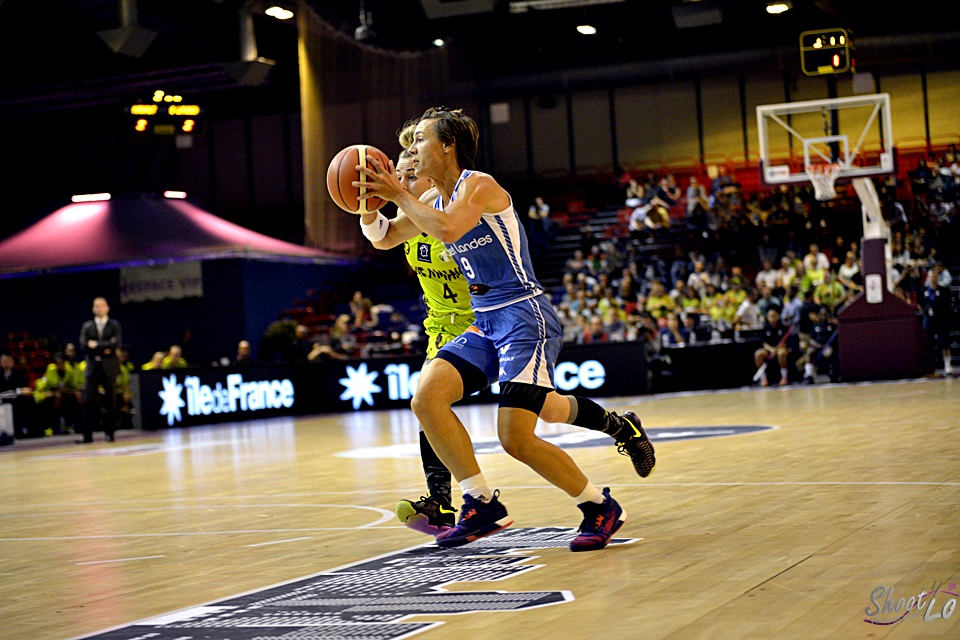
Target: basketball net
[823, 177]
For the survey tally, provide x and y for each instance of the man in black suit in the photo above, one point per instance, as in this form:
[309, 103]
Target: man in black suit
[100, 338]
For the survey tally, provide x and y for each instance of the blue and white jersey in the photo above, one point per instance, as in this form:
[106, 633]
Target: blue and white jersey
[494, 257]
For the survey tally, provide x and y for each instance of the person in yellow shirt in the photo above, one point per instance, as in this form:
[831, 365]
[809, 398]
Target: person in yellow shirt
[58, 394]
[156, 362]
[174, 359]
[659, 303]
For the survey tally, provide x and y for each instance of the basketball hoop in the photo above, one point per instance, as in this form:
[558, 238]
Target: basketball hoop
[823, 177]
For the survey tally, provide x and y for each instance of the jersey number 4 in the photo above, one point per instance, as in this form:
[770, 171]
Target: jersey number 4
[448, 293]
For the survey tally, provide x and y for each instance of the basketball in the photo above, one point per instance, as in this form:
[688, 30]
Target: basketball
[342, 172]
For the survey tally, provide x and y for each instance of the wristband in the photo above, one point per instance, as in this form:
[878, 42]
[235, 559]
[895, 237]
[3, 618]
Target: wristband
[377, 229]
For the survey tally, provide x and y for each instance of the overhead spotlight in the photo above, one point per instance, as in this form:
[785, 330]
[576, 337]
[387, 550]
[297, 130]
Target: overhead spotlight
[587, 29]
[279, 13]
[130, 39]
[439, 42]
[779, 7]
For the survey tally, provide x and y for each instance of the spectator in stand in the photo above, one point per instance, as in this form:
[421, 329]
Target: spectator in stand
[538, 216]
[614, 325]
[830, 293]
[70, 354]
[635, 195]
[774, 347]
[815, 260]
[724, 190]
[174, 359]
[59, 396]
[669, 191]
[792, 301]
[690, 326]
[576, 264]
[659, 302]
[673, 334]
[124, 396]
[769, 301]
[367, 316]
[937, 314]
[697, 203]
[736, 293]
[539, 227]
[15, 389]
[786, 274]
[699, 278]
[767, 276]
[689, 302]
[716, 305]
[156, 362]
[848, 274]
[748, 315]
[595, 332]
[355, 303]
[244, 357]
[342, 339]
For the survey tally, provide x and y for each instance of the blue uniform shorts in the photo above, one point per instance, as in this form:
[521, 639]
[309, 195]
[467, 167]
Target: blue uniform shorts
[517, 343]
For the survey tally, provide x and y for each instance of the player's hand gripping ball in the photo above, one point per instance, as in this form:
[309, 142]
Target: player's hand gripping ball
[342, 172]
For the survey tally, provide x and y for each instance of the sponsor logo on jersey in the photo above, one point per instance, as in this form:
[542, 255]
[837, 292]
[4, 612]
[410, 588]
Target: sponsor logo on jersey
[466, 247]
[479, 289]
[423, 252]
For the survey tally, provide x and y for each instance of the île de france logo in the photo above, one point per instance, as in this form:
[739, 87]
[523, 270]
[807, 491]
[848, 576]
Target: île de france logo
[936, 604]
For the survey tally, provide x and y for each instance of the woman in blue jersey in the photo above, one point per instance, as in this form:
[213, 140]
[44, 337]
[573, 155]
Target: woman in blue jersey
[515, 339]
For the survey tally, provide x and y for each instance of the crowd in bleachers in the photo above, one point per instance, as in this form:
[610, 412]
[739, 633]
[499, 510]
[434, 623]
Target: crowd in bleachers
[710, 264]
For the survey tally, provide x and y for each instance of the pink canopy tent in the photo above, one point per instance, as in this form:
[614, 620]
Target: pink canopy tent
[146, 230]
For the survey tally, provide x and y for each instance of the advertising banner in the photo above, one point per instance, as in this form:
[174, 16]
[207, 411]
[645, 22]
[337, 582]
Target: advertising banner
[207, 395]
[161, 282]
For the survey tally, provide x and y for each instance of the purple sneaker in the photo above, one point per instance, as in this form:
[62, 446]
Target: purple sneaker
[600, 522]
[477, 519]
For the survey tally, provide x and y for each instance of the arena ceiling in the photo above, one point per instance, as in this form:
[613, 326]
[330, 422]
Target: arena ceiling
[54, 56]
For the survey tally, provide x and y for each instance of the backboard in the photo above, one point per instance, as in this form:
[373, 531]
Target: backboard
[853, 132]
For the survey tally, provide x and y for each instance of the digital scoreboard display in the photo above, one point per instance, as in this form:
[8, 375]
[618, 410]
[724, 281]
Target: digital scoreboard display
[165, 114]
[826, 51]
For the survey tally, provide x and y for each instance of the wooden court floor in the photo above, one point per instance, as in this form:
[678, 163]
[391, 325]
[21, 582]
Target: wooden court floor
[783, 533]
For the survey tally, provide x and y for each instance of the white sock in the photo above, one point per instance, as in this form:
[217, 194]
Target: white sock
[783, 373]
[590, 494]
[476, 487]
[809, 371]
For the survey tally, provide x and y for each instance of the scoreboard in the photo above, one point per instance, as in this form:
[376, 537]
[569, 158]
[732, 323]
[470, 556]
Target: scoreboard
[826, 51]
[165, 114]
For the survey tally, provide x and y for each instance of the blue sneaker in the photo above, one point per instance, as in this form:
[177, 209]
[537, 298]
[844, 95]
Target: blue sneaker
[477, 519]
[637, 446]
[428, 515]
[600, 522]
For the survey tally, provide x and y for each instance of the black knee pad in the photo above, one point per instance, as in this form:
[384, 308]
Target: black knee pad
[473, 378]
[520, 395]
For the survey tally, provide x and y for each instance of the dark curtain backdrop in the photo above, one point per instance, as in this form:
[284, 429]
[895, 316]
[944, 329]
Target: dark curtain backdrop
[352, 93]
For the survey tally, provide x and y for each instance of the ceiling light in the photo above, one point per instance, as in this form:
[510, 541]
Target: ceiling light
[523, 6]
[587, 29]
[90, 197]
[279, 13]
[779, 7]
[438, 42]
